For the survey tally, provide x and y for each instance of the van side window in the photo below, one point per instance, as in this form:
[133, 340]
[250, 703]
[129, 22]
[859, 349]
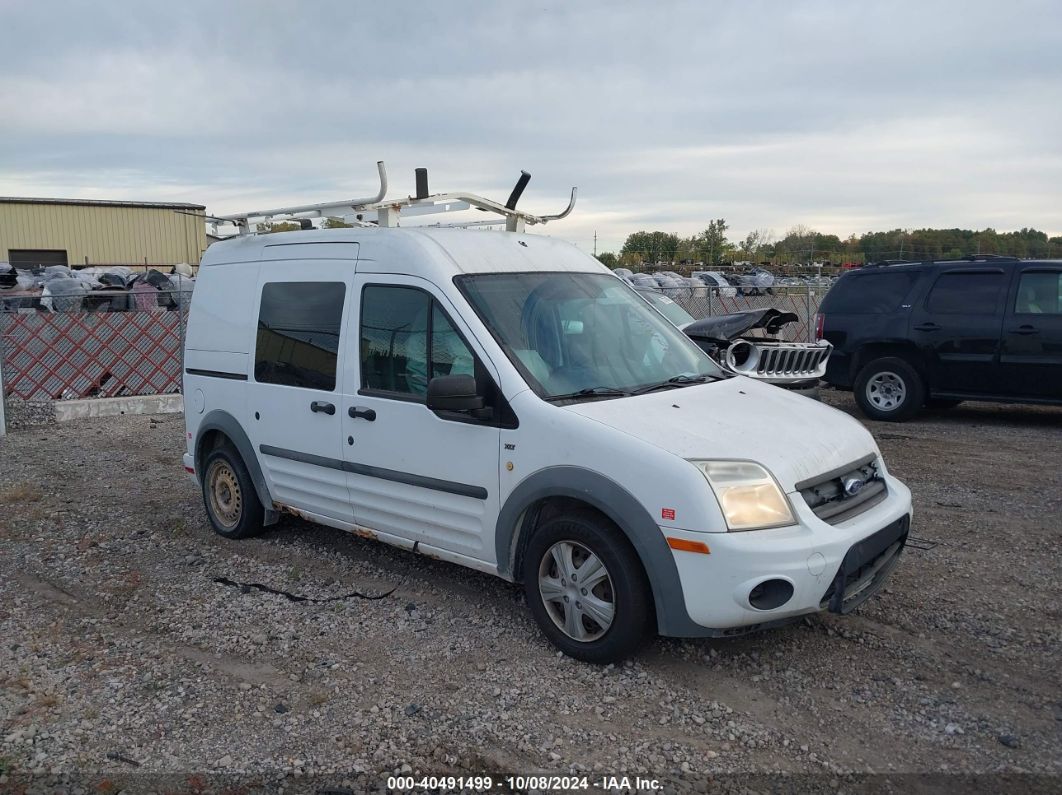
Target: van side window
[967, 293]
[298, 334]
[1039, 293]
[396, 355]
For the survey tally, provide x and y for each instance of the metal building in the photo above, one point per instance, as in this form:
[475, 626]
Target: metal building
[80, 232]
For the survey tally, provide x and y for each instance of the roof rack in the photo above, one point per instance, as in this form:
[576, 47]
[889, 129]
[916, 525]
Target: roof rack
[989, 258]
[882, 263]
[387, 212]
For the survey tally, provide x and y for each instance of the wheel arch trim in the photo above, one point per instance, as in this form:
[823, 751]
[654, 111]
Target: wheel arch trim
[882, 349]
[225, 423]
[627, 513]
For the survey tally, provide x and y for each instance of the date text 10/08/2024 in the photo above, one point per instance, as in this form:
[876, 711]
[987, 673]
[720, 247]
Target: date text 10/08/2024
[630, 784]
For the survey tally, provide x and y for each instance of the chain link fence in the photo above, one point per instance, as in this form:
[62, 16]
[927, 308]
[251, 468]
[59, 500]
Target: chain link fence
[116, 343]
[103, 344]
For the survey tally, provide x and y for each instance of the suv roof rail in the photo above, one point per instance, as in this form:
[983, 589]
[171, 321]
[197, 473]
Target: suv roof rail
[886, 262]
[387, 212]
[990, 258]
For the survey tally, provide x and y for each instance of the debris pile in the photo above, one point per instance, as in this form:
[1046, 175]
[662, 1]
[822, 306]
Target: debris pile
[102, 288]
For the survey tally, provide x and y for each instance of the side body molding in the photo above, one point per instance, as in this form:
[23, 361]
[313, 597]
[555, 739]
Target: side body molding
[224, 422]
[625, 511]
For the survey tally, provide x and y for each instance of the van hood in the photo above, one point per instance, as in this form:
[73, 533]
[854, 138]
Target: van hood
[795, 437]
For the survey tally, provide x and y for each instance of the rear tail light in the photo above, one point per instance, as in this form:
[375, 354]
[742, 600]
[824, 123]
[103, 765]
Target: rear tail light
[820, 321]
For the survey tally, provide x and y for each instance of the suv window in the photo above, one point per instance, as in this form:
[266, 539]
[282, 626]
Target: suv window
[966, 293]
[868, 293]
[396, 326]
[1039, 293]
[298, 334]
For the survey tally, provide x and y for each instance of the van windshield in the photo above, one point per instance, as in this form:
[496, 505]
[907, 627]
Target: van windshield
[578, 336]
[666, 307]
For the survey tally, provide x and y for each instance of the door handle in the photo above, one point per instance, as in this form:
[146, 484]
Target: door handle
[320, 405]
[366, 414]
[1025, 330]
[927, 327]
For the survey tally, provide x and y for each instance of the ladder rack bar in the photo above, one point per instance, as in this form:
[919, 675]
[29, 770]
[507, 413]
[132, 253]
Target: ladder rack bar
[388, 212]
[307, 208]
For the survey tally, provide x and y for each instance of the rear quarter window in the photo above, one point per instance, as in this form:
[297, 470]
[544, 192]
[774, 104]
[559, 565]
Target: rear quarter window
[868, 293]
[298, 334]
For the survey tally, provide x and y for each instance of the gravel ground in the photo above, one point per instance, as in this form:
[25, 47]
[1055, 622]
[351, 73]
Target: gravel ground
[27, 414]
[124, 664]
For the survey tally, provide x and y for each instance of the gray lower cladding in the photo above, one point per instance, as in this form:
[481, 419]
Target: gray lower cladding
[448, 486]
[620, 506]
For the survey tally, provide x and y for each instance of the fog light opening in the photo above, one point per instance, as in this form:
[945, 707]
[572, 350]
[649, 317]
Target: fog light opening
[770, 594]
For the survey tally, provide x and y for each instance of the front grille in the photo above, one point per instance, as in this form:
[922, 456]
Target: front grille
[831, 501]
[792, 359]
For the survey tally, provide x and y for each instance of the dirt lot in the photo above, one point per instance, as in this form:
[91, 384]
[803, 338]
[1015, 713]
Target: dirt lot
[122, 659]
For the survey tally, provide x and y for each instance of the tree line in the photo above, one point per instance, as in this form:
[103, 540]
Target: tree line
[802, 245]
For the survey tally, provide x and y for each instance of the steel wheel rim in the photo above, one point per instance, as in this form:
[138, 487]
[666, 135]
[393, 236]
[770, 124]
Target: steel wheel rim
[577, 591]
[886, 391]
[223, 490]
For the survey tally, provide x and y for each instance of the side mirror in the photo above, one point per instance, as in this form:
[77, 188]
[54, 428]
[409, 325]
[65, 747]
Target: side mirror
[454, 393]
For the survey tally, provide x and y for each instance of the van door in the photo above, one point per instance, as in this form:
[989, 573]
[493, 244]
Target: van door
[1031, 359]
[427, 477]
[957, 328]
[294, 397]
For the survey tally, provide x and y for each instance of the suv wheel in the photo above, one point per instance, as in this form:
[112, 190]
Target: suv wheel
[586, 588]
[889, 389]
[231, 501]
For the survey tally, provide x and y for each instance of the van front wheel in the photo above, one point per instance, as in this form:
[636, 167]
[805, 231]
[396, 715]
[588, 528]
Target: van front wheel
[586, 588]
[232, 504]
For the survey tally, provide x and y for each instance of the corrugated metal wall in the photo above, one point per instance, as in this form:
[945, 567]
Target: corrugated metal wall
[105, 235]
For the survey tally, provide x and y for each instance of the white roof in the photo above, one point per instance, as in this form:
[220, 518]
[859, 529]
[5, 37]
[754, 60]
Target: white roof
[421, 251]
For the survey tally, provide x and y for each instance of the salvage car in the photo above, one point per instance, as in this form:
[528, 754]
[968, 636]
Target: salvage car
[501, 401]
[717, 281]
[747, 343]
[758, 281]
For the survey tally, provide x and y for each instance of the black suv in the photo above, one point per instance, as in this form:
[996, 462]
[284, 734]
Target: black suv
[937, 333]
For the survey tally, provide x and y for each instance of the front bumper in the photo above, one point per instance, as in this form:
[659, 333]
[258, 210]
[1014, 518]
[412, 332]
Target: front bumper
[828, 566]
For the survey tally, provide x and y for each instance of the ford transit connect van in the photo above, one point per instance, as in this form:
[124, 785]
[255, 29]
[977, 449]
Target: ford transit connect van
[502, 401]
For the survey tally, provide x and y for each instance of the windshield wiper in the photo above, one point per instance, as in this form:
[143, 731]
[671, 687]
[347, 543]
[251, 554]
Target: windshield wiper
[594, 391]
[676, 381]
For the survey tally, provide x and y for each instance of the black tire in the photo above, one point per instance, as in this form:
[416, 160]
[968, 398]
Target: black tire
[625, 583]
[231, 502]
[889, 389]
[940, 404]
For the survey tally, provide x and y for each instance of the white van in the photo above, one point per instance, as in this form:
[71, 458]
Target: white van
[502, 401]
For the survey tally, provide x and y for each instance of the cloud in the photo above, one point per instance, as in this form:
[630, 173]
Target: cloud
[843, 116]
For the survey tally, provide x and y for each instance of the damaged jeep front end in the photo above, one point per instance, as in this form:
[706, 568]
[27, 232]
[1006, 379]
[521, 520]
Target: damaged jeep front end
[746, 343]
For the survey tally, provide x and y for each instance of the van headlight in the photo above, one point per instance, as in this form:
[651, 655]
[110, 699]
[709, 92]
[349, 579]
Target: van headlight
[749, 495]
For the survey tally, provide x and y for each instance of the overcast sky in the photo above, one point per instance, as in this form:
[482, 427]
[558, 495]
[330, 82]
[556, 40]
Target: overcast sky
[845, 116]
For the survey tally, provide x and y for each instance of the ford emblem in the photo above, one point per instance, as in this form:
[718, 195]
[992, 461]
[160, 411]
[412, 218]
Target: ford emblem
[853, 485]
